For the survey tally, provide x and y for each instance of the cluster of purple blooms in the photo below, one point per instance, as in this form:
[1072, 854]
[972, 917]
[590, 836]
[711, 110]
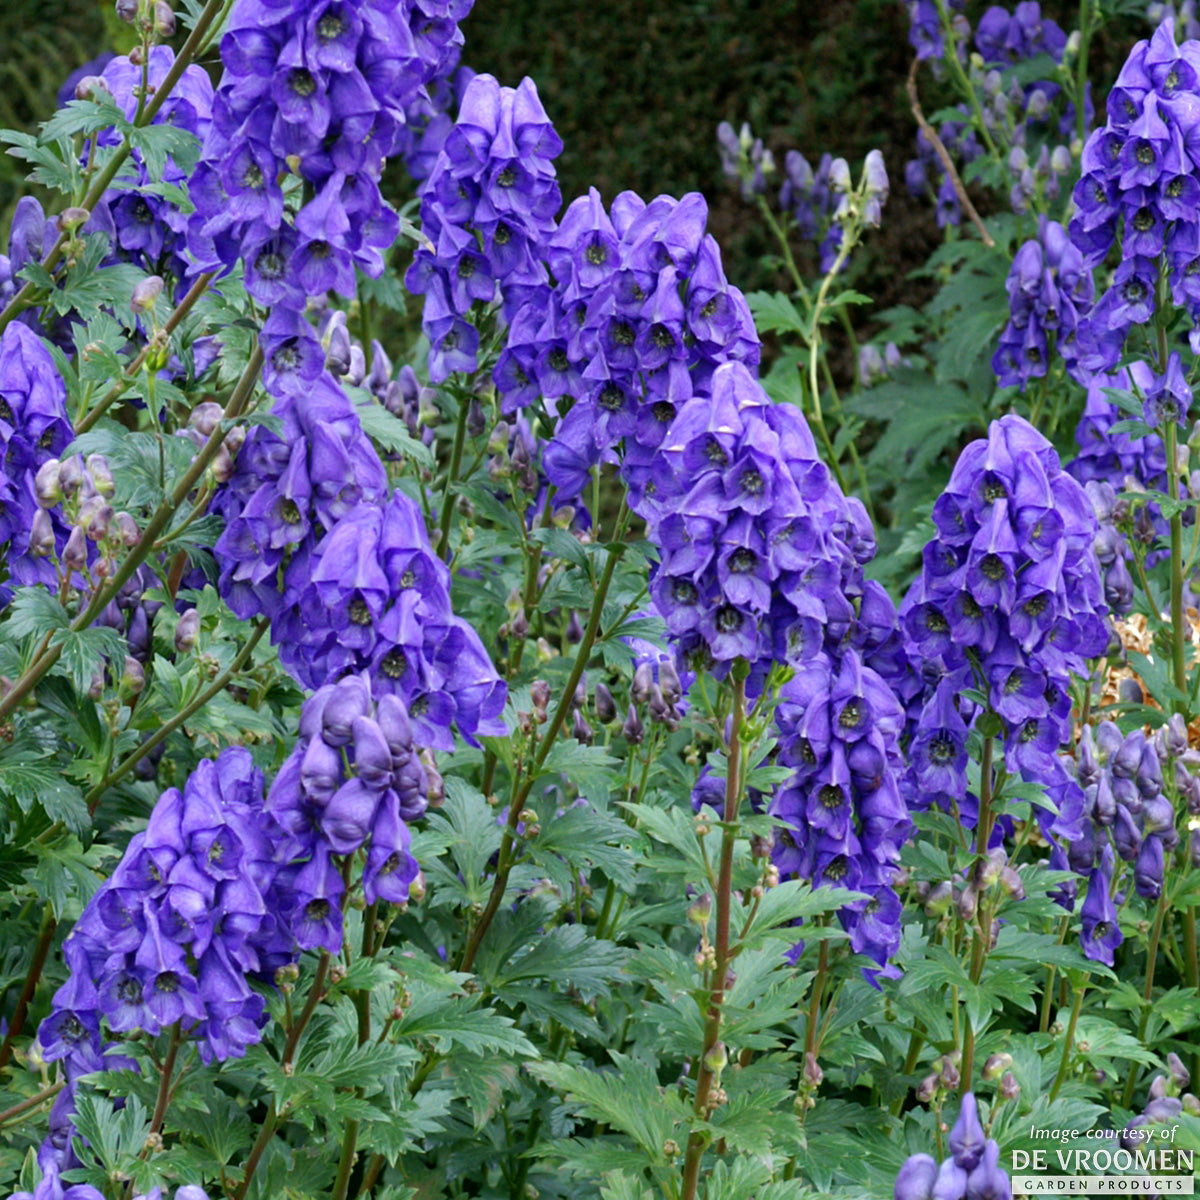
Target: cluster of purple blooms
[925, 33]
[194, 907]
[311, 103]
[53, 1187]
[1140, 181]
[487, 210]
[144, 226]
[809, 197]
[1049, 292]
[1010, 600]
[373, 597]
[745, 158]
[972, 1171]
[355, 778]
[638, 319]
[960, 140]
[34, 430]
[1131, 816]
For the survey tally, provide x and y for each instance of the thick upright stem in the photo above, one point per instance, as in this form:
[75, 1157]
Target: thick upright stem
[447, 514]
[981, 935]
[1069, 1042]
[1178, 636]
[40, 950]
[707, 1077]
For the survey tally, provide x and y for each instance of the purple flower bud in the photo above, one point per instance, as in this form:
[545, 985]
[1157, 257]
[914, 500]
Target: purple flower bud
[74, 554]
[164, 19]
[967, 1138]
[581, 731]
[128, 529]
[1009, 1088]
[1180, 1075]
[350, 698]
[92, 87]
[127, 10]
[320, 771]
[146, 294]
[606, 706]
[347, 818]
[928, 1088]
[46, 486]
[539, 695]
[133, 677]
[643, 681]
[633, 729]
[70, 474]
[187, 630]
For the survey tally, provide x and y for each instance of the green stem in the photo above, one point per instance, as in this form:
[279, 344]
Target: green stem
[346, 1162]
[1178, 636]
[981, 935]
[447, 513]
[164, 1081]
[40, 950]
[1069, 1043]
[504, 863]
[1147, 992]
[31, 1102]
[1051, 971]
[707, 1078]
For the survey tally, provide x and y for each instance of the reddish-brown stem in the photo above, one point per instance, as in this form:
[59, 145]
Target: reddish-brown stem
[40, 950]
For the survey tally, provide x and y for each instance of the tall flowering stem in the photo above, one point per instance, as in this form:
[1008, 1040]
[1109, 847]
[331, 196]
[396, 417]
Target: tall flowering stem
[981, 936]
[557, 721]
[709, 1067]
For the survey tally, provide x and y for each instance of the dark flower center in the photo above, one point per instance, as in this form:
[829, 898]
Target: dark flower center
[663, 411]
[289, 511]
[662, 337]
[728, 619]
[167, 982]
[1143, 220]
[935, 622]
[1035, 605]
[612, 399]
[992, 567]
[942, 749]
[73, 1030]
[743, 560]
[302, 83]
[466, 267]
[129, 990]
[394, 664]
[390, 864]
[1029, 731]
[1134, 291]
[852, 714]
[360, 614]
[558, 359]
[252, 177]
[623, 334]
[808, 755]
[1012, 684]
[286, 358]
[316, 910]
[839, 868]
[270, 264]
[596, 254]
[142, 214]
[507, 177]
[1102, 929]
[408, 579]
[683, 591]
[994, 490]
[503, 235]
[330, 27]
[6, 413]
[752, 482]
[969, 607]
[831, 796]
[1145, 154]
[1175, 187]
[710, 308]
[715, 452]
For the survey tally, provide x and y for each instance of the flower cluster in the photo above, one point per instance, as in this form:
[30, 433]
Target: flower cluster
[33, 429]
[192, 909]
[487, 210]
[51, 1186]
[925, 33]
[1010, 38]
[843, 820]
[1132, 817]
[288, 488]
[354, 776]
[960, 140]
[145, 227]
[1140, 178]
[372, 597]
[638, 319]
[972, 1170]
[760, 552]
[808, 196]
[1184, 16]
[745, 158]
[1049, 292]
[1010, 598]
[1168, 1097]
[311, 103]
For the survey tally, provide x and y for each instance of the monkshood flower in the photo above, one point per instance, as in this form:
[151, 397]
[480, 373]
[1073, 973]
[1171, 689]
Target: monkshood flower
[760, 552]
[190, 912]
[487, 208]
[925, 27]
[1140, 181]
[1009, 38]
[1049, 292]
[356, 778]
[288, 489]
[640, 316]
[972, 1172]
[959, 138]
[1010, 599]
[428, 119]
[372, 597]
[1184, 16]
[34, 429]
[147, 228]
[745, 158]
[312, 101]
[843, 820]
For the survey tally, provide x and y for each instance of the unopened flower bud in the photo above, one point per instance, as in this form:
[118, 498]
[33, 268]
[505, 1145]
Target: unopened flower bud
[127, 10]
[1009, 1088]
[813, 1075]
[92, 87]
[633, 729]
[41, 535]
[164, 19]
[927, 1089]
[643, 681]
[539, 695]
[71, 219]
[700, 910]
[606, 706]
[187, 630]
[581, 730]
[133, 677]
[1012, 884]
[717, 1059]
[98, 522]
[941, 896]
[996, 1065]
[146, 294]
[46, 484]
[205, 417]
[128, 528]
[574, 629]
[1180, 1075]
[101, 474]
